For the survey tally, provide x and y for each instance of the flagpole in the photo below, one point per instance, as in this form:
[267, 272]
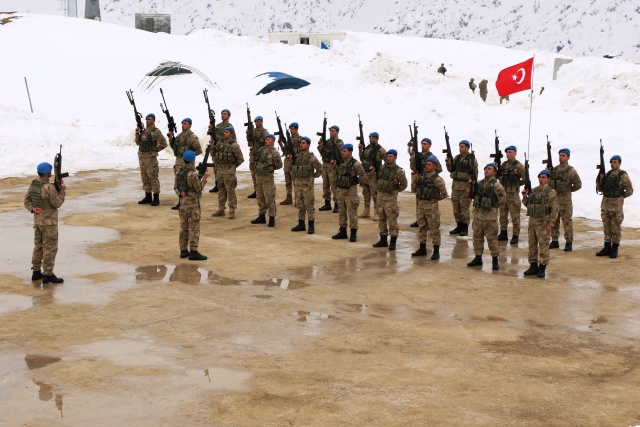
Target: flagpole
[531, 105]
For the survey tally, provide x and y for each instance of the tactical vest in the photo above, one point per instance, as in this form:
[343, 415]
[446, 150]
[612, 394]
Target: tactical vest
[560, 180]
[302, 167]
[263, 166]
[35, 191]
[147, 143]
[537, 203]
[259, 135]
[370, 157]
[612, 185]
[223, 153]
[327, 150]
[295, 141]
[427, 189]
[386, 179]
[345, 175]
[182, 181]
[462, 168]
[509, 176]
[182, 144]
[486, 198]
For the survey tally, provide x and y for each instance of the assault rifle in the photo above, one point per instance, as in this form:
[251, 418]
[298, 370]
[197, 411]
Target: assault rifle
[474, 173]
[135, 110]
[335, 153]
[57, 167]
[170, 122]
[448, 149]
[417, 155]
[212, 119]
[549, 160]
[282, 140]
[527, 178]
[203, 165]
[251, 131]
[600, 167]
[497, 156]
[360, 138]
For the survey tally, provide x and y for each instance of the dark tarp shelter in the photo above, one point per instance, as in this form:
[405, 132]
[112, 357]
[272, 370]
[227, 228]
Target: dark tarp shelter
[281, 81]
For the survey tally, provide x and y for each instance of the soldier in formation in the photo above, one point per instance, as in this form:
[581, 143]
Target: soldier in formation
[219, 131]
[329, 162]
[424, 155]
[347, 176]
[267, 161]
[227, 157]
[512, 177]
[306, 167]
[256, 141]
[371, 157]
[43, 201]
[391, 180]
[150, 142]
[186, 140]
[565, 180]
[189, 187]
[430, 189]
[462, 168]
[288, 162]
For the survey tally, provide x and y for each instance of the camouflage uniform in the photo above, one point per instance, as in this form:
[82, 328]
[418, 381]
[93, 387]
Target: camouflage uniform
[42, 194]
[150, 142]
[461, 170]
[306, 168]
[186, 140]
[489, 198]
[370, 179]
[565, 180]
[219, 130]
[347, 176]
[288, 165]
[615, 187]
[227, 156]
[256, 141]
[512, 176]
[329, 170]
[542, 210]
[414, 182]
[430, 189]
[391, 180]
[483, 90]
[267, 161]
[187, 184]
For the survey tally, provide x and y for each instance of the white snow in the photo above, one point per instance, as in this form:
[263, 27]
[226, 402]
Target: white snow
[78, 71]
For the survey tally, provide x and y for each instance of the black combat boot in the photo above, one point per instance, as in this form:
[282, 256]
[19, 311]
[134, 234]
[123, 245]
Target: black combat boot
[533, 269]
[184, 253]
[300, 226]
[614, 250]
[272, 221]
[156, 199]
[326, 206]
[252, 195]
[502, 237]
[146, 200]
[436, 252]
[494, 263]
[382, 243]
[554, 244]
[176, 207]
[342, 234]
[51, 278]
[605, 251]
[568, 247]
[414, 224]
[214, 189]
[541, 270]
[354, 235]
[392, 243]
[464, 230]
[196, 256]
[422, 251]
[514, 239]
[335, 208]
[312, 227]
[457, 229]
[475, 262]
[259, 220]
[36, 275]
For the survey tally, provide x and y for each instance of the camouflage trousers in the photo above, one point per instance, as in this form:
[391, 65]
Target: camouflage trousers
[388, 212]
[428, 215]
[288, 178]
[329, 182]
[227, 183]
[370, 189]
[189, 227]
[538, 241]
[45, 248]
[348, 202]
[461, 202]
[512, 208]
[485, 229]
[266, 194]
[565, 213]
[149, 172]
[612, 222]
[176, 167]
[252, 168]
[305, 200]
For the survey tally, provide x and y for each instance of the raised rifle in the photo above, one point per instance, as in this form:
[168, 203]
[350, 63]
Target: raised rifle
[417, 155]
[527, 178]
[323, 137]
[360, 138]
[212, 119]
[57, 167]
[170, 122]
[549, 160]
[474, 173]
[497, 155]
[281, 136]
[135, 110]
[251, 131]
[203, 165]
[289, 144]
[448, 149]
[600, 167]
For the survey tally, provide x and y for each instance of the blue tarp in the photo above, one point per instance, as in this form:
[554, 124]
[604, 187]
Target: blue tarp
[281, 81]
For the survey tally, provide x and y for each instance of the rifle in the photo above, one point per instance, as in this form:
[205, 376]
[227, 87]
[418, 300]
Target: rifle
[417, 156]
[527, 178]
[497, 156]
[474, 173]
[203, 165]
[549, 160]
[251, 131]
[282, 141]
[448, 149]
[360, 138]
[289, 145]
[600, 167]
[170, 122]
[57, 167]
[212, 119]
[323, 137]
[135, 110]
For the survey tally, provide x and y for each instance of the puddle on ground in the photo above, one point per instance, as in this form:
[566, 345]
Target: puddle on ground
[12, 302]
[36, 361]
[599, 320]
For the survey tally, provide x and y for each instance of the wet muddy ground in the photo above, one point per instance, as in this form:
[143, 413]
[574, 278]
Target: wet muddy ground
[281, 328]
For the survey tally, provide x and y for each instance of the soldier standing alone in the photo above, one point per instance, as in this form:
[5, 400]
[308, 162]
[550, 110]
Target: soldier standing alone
[267, 161]
[227, 156]
[371, 157]
[441, 69]
[188, 185]
[305, 169]
[512, 177]
[391, 180]
[150, 142]
[348, 175]
[186, 140]
[565, 180]
[430, 189]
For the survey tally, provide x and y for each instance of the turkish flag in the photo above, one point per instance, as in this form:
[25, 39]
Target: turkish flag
[515, 78]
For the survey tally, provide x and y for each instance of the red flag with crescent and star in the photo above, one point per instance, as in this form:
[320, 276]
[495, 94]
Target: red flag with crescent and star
[515, 78]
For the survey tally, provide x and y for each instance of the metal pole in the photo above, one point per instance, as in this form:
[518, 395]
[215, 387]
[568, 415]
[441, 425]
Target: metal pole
[27, 85]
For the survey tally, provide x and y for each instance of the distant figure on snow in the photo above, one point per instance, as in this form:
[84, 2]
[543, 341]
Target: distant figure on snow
[483, 90]
[541, 90]
[441, 69]
[506, 98]
[472, 86]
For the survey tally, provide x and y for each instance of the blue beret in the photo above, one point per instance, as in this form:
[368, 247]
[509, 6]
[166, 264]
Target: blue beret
[392, 151]
[491, 165]
[187, 119]
[189, 156]
[230, 129]
[565, 151]
[153, 116]
[511, 147]
[306, 138]
[347, 147]
[258, 118]
[270, 136]
[44, 168]
[465, 142]
[335, 127]
[374, 135]
[616, 157]
[544, 172]
[432, 160]
[427, 140]
[294, 125]
[226, 111]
